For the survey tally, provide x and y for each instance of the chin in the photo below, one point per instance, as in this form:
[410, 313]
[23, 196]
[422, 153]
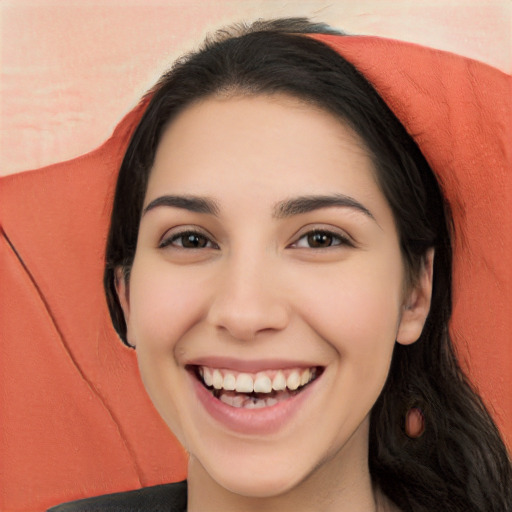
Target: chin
[261, 484]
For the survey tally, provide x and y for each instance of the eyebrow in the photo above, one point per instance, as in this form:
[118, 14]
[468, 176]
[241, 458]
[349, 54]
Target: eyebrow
[306, 204]
[190, 203]
[290, 207]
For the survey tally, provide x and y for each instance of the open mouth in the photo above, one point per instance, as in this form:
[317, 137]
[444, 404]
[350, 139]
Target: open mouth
[255, 390]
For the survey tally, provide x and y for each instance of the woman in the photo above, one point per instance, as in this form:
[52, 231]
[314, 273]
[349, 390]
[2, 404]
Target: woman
[280, 258]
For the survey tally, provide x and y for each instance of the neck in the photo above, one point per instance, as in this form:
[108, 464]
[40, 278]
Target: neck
[340, 484]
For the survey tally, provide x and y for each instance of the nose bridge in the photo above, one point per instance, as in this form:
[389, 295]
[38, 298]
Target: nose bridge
[247, 299]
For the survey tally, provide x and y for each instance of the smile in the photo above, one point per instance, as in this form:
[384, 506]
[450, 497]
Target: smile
[255, 390]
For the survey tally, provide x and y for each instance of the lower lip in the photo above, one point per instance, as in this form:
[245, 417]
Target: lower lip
[261, 421]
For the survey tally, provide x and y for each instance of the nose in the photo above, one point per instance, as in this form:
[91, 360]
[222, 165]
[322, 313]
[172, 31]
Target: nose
[248, 299]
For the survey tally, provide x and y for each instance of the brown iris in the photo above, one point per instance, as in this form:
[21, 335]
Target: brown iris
[319, 239]
[193, 241]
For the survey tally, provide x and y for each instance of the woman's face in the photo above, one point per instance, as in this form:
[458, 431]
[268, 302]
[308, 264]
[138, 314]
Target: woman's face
[267, 259]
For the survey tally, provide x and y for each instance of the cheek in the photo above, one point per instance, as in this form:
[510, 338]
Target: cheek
[356, 309]
[164, 304]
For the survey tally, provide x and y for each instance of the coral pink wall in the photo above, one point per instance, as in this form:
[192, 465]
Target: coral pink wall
[71, 69]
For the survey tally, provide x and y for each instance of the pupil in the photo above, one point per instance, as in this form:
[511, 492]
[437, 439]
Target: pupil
[319, 240]
[193, 241]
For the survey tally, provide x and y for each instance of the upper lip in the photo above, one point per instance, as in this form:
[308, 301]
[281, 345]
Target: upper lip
[249, 366]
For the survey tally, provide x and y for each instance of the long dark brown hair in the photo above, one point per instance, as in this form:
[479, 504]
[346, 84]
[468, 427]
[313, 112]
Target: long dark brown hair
[460, 463]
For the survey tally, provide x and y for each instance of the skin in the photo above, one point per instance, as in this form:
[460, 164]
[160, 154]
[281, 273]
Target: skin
[257, 291]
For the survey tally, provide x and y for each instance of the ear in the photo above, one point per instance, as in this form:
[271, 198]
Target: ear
[123, 294]
[416, 304]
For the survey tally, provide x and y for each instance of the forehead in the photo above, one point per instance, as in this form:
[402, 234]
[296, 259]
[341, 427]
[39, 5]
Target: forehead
[249, 144]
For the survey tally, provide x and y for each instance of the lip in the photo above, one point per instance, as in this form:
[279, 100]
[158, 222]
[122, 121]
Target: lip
[262, 421]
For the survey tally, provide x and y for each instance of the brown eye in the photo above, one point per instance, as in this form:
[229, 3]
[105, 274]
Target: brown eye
[319, 239]
[187, 240]
[193, 241]
[322, 239]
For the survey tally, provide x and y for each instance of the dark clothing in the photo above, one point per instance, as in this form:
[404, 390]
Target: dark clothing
[160, 498]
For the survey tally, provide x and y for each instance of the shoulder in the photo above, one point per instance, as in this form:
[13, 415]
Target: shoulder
[160, 498]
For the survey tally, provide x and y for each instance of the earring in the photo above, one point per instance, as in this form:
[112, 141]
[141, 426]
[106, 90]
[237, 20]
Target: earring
[414, 423]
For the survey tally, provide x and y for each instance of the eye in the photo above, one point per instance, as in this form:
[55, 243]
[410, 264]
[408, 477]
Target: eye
[321, 239]
[188, 240]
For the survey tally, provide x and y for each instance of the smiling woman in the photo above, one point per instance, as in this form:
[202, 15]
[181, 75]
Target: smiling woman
[301, 308]
[279, 256]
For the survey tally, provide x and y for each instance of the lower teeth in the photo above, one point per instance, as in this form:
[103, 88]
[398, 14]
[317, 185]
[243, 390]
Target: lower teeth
[241, 400]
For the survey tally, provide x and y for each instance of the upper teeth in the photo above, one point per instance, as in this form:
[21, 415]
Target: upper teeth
[261, 382]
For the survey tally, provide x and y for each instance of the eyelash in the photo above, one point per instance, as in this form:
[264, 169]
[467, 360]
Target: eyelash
[336, 240]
